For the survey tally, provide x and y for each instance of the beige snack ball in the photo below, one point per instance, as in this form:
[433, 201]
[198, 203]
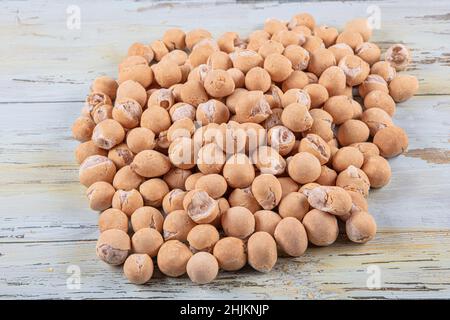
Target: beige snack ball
[161, 97]
[121, 155]
[113, 246]
[340, 108]
[321, 227]
[258, 78]
[147, 217]
[355, 69]
[173, 257]
[200, 207]
[153, 191]
[245, 60]
[140, 73]
[268, 160]
[238, 77]
[272, 26]
[291, 238]
[327, 34]
[384, 70]
[252, 107]
[288, 37]
[202, 268]
[173, 200]
[369, 52]
[156, 119]
[132, 90]
[159, 49]
[202, 237]
[340, 50]
[229, 41]
[176, 178]
[298, 56]
[320, 60]
[377, 170]
[352, 38]
[214, 184]
[150, 163]
[108, 134]
[244, 198]
[316, 146]
[147, 241]
[262, 251]
[294, 204]
[177, 226]
[317, 93]
[192, 180]
[267, 191]
[140, 139]
[333, 79]
[398, 56]
[313, 43]
[391, 141]
[368, 149]
[127, 201]
[181, 110]
[322, 124]
[113, 219]
[334, 200]
[238, 222]
[347, 156]
[266, 220]
[212, 111]
[86, 149]
[100, 195]
[327, 176]
[304, 167]
[352, 131]
[281, 139]
[380, 99]
[269, 47]
[361, 26]
[361, 227]
[238, 171]
[138, 268]
[278, 66]
[194, 36]
[230, 253]
[296, 95]
[202, 51]
[82, 129]
[372, 82]
[297, 80]
[127, 179]
[174, 38]
[403, 87]
[219, 60]
[302, 19]
[218, 83]
[211, 159]
[193, 92]
[167, 73]
[296, 117]
[105, 85]
[354, 179]
[96, 168]
[376, 119]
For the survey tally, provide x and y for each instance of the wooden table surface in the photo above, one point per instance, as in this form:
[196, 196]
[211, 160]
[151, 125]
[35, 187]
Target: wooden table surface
[47, 230]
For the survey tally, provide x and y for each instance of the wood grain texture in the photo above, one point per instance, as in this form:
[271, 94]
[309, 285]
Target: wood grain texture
[45, 223]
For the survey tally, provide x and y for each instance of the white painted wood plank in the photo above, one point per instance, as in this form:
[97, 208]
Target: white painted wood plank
[44, 61]
[412, 265]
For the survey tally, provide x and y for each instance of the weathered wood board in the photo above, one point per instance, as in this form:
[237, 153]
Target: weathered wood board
[46, 226]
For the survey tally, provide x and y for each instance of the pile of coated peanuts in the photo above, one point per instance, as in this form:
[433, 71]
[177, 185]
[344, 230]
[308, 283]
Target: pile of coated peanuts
[210, 154]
